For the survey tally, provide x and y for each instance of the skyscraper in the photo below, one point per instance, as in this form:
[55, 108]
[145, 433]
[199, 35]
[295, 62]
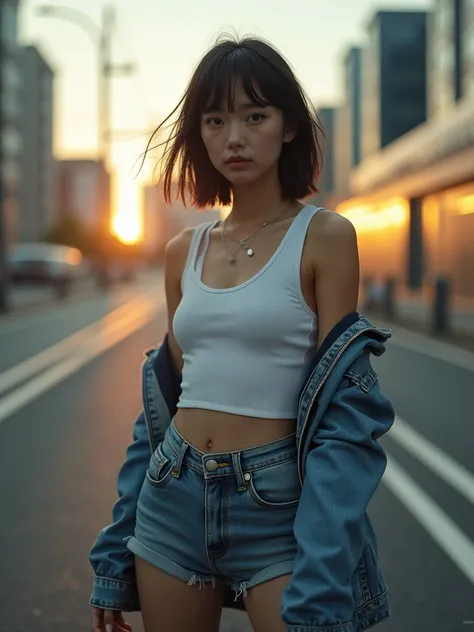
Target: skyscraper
[393, 77]
[347, 147]
[11, 145]
[450, 55]
[37, 190]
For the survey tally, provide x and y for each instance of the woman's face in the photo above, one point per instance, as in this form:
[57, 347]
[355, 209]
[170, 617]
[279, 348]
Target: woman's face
[244, 144]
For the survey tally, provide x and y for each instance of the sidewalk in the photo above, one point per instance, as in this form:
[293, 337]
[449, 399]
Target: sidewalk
[24, 297]
[415, 311]
[33, 300]
[420, 310]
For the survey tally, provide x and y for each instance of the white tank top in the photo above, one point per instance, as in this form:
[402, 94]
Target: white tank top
[246, 349]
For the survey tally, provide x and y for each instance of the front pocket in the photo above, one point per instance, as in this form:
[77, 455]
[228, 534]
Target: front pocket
[160, 469]
[275, 486]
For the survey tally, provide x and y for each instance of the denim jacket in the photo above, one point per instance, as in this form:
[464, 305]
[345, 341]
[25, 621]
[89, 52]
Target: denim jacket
[337, 584]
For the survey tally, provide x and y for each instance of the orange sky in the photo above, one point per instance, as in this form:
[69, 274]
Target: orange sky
[165, 47]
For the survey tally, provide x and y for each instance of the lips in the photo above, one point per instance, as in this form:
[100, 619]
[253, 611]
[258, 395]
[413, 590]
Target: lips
[236, 160]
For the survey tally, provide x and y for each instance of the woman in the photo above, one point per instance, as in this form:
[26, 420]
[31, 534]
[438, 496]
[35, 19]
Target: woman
[250, 300]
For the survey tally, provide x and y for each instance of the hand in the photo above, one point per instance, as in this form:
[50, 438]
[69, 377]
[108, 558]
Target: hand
[109, 621]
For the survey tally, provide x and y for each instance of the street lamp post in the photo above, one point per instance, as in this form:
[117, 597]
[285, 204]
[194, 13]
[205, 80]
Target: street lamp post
[101, 36]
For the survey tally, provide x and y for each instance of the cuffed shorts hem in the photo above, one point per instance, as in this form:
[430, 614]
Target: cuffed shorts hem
[266, 575]
[168, 566]
[191, 578]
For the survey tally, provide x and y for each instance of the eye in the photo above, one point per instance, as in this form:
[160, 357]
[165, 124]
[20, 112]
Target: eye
[256, 117]
[213, 121]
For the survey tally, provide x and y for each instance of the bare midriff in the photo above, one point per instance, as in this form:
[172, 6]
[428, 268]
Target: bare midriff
[211, 431]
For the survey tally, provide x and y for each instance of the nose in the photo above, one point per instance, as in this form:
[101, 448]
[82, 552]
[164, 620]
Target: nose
[235, 136]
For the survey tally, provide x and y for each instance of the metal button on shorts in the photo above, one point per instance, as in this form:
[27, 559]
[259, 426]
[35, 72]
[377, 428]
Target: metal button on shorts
[211, 465]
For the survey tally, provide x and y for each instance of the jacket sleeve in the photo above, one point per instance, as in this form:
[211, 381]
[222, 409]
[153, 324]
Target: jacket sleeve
[343, 470]
[114, 566]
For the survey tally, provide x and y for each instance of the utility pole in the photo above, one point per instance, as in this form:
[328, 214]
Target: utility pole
[101, 36]
[106, 71]
[104, 87]
[103, 140]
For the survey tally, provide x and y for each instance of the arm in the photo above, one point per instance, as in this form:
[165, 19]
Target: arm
[345, 463]
[335, 261]
[342, 472]
[114, 567]
[176, 254]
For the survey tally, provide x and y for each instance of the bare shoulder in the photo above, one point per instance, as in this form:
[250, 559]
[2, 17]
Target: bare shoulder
[330, 235]
[329, 225]
[178, 246]
[176, 251]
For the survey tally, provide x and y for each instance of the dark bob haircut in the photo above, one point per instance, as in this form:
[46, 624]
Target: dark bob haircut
[263, 73]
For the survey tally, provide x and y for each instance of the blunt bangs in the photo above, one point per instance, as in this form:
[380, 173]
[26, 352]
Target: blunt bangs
[217, 86]
[267, 79]
[263, 81]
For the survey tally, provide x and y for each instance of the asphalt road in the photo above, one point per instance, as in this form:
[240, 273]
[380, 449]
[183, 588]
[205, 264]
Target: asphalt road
[63, 437]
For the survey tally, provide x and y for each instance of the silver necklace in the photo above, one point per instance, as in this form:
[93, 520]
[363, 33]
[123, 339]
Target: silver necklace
[247, 242]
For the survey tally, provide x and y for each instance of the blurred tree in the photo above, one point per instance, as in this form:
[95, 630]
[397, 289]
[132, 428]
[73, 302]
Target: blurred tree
[103, 249]
[71, 231]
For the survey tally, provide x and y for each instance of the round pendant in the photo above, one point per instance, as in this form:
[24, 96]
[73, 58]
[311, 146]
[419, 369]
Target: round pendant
[250, 252]
[231, 259]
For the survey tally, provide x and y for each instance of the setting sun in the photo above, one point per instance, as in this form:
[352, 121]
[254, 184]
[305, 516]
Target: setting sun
[127, 228]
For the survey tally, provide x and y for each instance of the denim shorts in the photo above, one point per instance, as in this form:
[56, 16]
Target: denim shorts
[219, 518]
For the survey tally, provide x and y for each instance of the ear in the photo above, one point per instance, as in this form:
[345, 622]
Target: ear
[290, 133]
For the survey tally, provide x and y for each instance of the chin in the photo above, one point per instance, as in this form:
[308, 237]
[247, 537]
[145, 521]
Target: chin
[241, 178]
[245, 176]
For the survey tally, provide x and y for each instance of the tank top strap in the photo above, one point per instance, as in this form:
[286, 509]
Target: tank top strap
[201, 253]
[297, 234]
[194, 248]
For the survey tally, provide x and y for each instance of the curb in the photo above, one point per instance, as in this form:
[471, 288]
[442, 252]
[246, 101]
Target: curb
[41, 304]
[458, 338]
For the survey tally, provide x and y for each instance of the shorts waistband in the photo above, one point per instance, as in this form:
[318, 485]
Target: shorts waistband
[211, 465]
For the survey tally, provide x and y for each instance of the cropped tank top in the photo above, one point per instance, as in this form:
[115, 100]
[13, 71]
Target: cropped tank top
[246, 348]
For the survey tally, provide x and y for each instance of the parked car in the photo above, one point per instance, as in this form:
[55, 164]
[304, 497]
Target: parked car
[56, 265]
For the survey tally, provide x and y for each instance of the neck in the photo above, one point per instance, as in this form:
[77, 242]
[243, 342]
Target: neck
[257, 202]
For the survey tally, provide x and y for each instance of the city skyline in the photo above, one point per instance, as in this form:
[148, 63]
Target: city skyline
[314, 46]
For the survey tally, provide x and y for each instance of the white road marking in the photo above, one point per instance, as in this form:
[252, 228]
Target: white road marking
[66, 358]
[14, 322]
[29, 367]
[444, 531]
[103, 340]
[439, 462]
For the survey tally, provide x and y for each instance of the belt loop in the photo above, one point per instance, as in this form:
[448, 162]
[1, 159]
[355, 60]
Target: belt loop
[241, 486]
[176, 471]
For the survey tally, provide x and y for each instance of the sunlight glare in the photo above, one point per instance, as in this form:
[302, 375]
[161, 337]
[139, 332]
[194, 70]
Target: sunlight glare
[127, 227]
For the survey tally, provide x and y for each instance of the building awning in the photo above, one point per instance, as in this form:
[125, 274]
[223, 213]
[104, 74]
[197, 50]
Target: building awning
[434, 156]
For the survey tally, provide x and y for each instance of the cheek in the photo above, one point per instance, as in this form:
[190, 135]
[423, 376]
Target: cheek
[209, 141]
[270, 141]
[212, 142]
